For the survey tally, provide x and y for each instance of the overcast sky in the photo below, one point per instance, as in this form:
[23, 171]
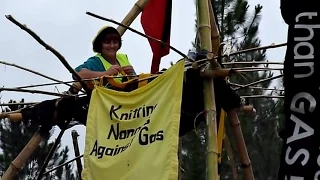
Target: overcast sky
[65, 26]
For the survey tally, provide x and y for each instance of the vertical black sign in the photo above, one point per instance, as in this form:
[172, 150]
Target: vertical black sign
[300, 159]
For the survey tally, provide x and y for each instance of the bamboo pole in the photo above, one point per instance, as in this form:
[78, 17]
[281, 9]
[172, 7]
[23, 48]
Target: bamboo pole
[55, 83]
[256, 68]
[229, 71]
[132, 15]
[237, 131]
[255, 87]
[262, 96]
[258, 82]
[35, 92]
[63, 164]
[241, 146]
[7, 114]
[232, 162]
[272, 46]
[15, 104]
[42, 84]
[252, 63]
[24, 155]
[56, 143]
[204, 28]
[248, 109]
[220, 134]
[215, 36]
[34, 72]
[243, 51]
[75, 135]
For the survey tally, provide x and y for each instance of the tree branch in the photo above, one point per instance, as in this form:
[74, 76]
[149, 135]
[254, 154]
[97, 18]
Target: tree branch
[241, 52]
[258, 82]
[15, 104]
[35, 72]
[252, 63]
[56, 53]
[35, 92]
[256, 87]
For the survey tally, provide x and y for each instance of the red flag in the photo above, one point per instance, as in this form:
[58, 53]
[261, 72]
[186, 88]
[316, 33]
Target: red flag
[156, 22]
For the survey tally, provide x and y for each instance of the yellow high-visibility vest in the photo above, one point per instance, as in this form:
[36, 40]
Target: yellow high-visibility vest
[122, 59]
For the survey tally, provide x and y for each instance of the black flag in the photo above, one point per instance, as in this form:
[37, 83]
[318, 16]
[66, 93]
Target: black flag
[300, 158]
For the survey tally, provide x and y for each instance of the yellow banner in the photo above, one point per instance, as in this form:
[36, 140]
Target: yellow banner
[134, 135]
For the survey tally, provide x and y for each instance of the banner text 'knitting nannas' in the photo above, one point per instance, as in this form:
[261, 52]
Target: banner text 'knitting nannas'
[144, 136]
[143, 111]
[135, 135]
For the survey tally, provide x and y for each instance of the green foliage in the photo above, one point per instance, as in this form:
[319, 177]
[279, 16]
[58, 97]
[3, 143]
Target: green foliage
[193, 159]
[13, 138]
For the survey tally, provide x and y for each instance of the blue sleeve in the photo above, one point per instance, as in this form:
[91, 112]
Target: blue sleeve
[93, 64]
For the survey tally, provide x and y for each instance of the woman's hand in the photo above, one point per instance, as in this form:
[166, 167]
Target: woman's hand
[128, 70]
[113, 70]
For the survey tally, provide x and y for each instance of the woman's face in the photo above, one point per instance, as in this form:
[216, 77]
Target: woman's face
[110, 45]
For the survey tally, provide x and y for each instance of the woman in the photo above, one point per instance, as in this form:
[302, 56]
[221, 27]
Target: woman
[107, 61]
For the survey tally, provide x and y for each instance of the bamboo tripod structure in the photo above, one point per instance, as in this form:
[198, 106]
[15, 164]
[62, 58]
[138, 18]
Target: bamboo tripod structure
[204, 28]
[209, 41]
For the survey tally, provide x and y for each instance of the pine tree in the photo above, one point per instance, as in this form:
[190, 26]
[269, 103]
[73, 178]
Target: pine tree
[239, 27]
[14, 136]
[193, 155]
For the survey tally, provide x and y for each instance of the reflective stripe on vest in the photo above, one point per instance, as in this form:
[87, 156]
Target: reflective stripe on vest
[122, 59]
